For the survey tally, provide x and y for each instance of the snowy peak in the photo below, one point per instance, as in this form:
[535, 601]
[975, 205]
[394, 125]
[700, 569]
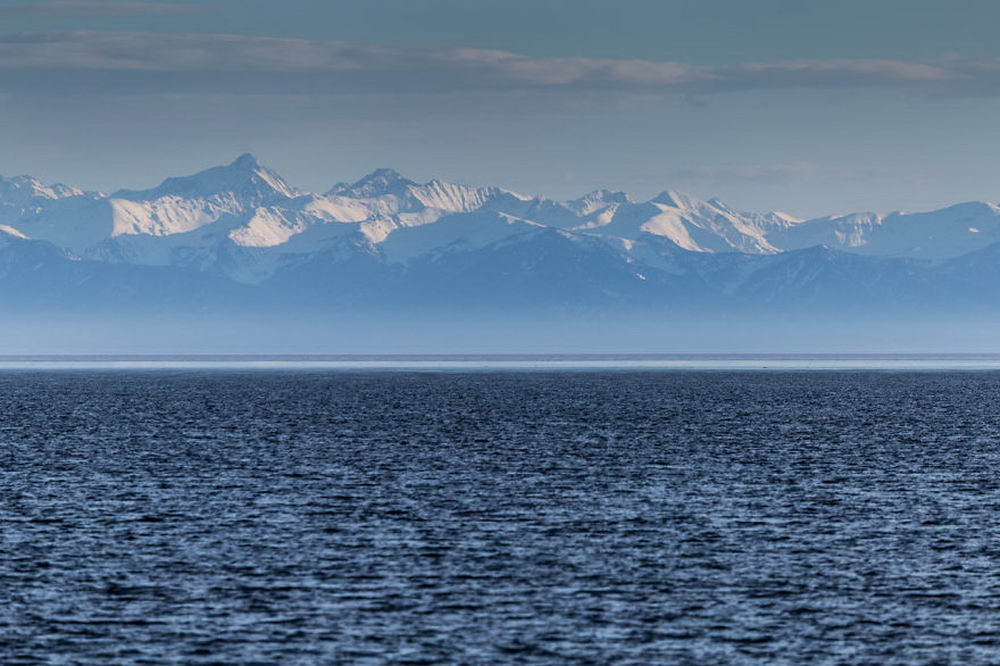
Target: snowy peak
[245, 177]
[387, 194]
[378, 183]
[246, 162]
[185, 204]
[454, 198]
[24, 190]
[679, 200]
[597, 200]
[690, 223]
[242, 218]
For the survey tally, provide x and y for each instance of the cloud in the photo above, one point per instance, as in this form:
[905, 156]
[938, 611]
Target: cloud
[91, 8]
[133, 62]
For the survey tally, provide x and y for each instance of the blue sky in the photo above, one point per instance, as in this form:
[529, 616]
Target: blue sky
[812, 107]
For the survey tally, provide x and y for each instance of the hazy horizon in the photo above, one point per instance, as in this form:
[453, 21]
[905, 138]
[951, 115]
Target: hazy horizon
[431, 336]
[504, 113]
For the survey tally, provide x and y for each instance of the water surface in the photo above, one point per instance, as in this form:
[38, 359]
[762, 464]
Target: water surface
[249, 516]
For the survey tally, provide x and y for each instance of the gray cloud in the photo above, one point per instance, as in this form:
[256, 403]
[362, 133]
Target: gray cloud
[91, 8]
[132, 62]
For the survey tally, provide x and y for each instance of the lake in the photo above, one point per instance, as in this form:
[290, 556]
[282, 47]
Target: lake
[461, 514]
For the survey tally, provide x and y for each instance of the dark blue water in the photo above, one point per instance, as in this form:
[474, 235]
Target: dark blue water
[504, 517]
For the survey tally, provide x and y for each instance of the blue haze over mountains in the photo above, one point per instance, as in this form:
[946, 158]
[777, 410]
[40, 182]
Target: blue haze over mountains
[236, 259]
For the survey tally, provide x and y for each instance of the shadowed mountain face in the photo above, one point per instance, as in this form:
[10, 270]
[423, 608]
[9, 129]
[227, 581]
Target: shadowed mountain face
[239, 239]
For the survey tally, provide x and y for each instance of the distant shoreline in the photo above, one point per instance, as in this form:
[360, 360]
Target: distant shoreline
[538, 362]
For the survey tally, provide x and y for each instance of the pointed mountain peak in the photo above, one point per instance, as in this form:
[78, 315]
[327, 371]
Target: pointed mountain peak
[379, 183]
[607, 196]
[376, 184]
[245, 177]
[385, 174]
[246, 161]
[598, 200]
[676, 199]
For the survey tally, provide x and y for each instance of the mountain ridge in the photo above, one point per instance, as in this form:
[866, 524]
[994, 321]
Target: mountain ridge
[386, 242]
[182, 204]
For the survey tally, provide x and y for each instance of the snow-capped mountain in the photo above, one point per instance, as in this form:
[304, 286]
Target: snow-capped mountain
[939, 234]
[240, 232]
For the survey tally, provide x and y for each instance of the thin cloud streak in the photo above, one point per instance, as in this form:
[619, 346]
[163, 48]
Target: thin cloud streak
[134, 62]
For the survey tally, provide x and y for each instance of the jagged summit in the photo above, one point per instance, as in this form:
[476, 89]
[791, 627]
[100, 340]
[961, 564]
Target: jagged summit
[680, 200]
[22, 189]
[386, 242]
[598, 200]
[245, 176]
[379, 182]
[247, 161]
[214, 217]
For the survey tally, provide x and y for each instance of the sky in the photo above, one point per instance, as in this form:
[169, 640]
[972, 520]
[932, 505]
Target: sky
[810, 107]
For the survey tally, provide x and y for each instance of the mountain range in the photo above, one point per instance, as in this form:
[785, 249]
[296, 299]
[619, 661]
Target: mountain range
[239, 238]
